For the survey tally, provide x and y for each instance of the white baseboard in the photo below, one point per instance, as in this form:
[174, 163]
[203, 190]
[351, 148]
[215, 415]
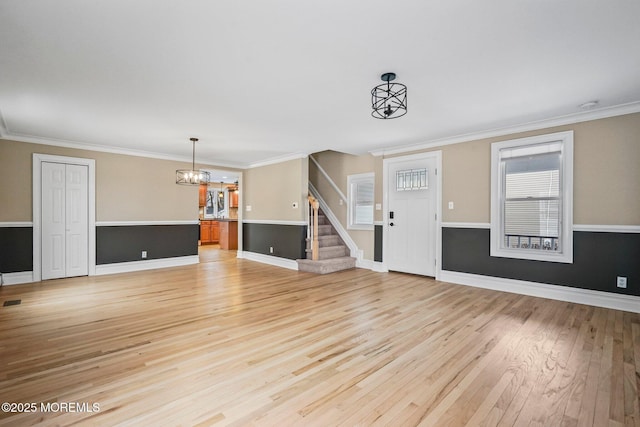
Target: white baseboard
[125, 267]
[557, 292]
[17, 278]
[378, 267]
[268, 259]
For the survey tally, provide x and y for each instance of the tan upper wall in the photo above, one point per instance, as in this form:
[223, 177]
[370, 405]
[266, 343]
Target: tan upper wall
[606, 186]
[128, 188]
[271, 191]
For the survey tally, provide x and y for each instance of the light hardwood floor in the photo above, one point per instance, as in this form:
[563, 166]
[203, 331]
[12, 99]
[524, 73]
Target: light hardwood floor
[234, 342]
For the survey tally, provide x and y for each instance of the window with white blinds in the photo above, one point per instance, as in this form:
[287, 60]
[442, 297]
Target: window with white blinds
[531, 198]
[360, 204]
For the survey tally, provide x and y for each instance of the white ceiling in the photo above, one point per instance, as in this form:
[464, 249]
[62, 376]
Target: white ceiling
[262, 80]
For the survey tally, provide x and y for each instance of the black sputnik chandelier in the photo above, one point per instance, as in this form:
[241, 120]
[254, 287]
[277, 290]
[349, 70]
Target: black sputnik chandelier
[192, 176]
[389, 100]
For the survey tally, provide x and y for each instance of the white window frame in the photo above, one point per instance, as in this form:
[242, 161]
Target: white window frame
[565, 255]
[352, 182]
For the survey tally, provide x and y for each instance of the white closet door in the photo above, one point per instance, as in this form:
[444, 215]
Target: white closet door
[77, 224]
[65, 225]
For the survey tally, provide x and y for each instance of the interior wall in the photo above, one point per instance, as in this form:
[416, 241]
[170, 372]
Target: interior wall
[606, 173]
[606, 193]
[128, 188]
[271, 191]
[273, 226]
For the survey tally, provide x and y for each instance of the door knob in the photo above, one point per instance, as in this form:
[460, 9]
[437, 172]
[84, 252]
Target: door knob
[391, 224]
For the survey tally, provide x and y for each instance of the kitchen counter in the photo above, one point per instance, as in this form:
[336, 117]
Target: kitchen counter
[228, 233]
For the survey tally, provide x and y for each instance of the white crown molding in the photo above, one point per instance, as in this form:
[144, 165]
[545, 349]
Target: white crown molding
[5, 134]
[276, 160]
[16, 224]
[3, 126]
[268, 259]
[151, 264]
[273, 222]
[207, 163]
[601, 113]
[134, 223]
[542, 290]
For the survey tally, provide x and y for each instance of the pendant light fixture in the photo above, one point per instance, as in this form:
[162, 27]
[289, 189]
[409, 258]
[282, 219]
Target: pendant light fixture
[389, 100]
[192, 176]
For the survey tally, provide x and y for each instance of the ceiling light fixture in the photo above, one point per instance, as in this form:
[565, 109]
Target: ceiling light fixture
[192, 176]
[389, 100]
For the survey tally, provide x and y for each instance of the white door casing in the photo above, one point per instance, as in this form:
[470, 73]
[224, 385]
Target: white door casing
[411, 239]
[63, 216]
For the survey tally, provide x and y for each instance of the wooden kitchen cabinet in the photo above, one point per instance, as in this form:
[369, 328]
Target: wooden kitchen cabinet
[209, 232]
[233, 198]
[202, 195]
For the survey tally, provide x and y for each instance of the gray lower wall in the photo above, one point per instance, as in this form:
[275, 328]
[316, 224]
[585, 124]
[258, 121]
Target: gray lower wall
[16, 249]
[598, 258]
[287, 241]
[113, 244]
[377, 243]
[126, 243]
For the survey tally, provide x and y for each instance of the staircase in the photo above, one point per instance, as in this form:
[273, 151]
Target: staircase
[333, 254]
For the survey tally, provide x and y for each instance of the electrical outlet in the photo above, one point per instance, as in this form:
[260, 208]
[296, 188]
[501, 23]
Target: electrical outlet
[270, 249]
[144, 254]
[450, 205]
[621, 282]
[248, 208]
[378, 206]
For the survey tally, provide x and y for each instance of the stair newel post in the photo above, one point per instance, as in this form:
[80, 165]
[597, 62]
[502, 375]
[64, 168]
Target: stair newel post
[315, 205]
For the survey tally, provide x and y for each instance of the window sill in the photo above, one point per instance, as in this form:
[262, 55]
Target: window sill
[533, 255]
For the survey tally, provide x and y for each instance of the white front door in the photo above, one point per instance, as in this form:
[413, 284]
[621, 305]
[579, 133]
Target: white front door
[65, 220]
[411, 214]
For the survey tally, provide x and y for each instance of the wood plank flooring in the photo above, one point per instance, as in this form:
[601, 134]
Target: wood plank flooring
[234, 342]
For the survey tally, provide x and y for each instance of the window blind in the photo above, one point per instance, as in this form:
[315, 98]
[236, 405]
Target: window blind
[363, 203]
[532, 199]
